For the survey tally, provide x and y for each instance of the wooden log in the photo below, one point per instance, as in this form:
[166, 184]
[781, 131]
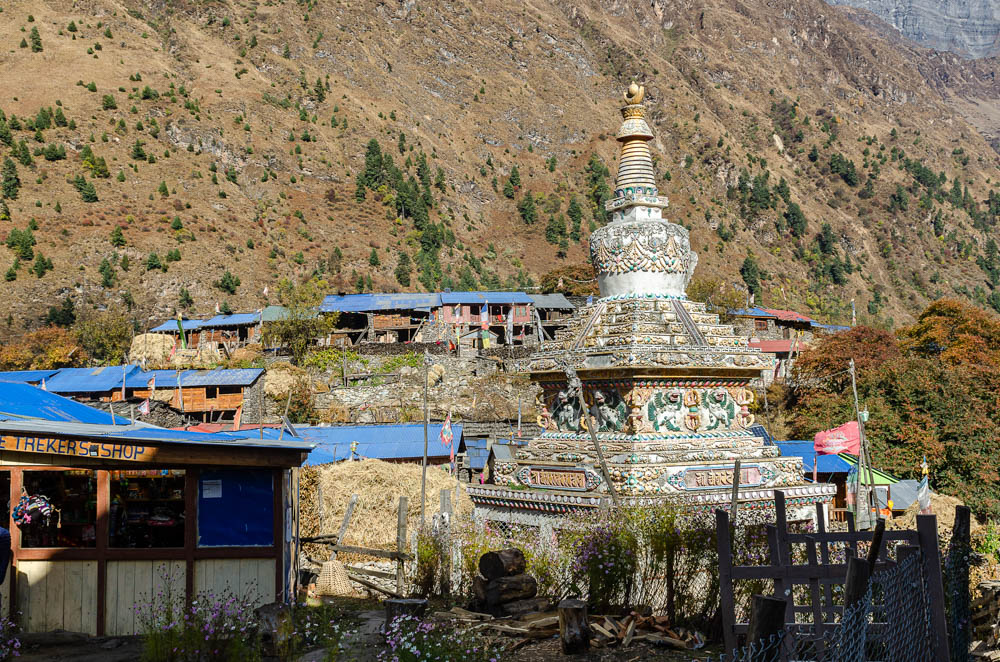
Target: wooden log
[504, 563]
[509, 589]
[858, 573]
[398, 607]
[479, 588]
[574, 630]
[521, 607]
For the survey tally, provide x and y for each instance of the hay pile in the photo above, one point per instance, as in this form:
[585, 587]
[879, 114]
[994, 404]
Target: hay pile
[280, 378]
[326, 490]
[943, 506]
[151, 348]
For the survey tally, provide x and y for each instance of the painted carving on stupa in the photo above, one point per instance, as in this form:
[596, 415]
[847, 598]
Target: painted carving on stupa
[609, 410]
[564, 413]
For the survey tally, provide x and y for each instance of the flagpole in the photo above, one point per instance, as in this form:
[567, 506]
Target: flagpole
[863, 455]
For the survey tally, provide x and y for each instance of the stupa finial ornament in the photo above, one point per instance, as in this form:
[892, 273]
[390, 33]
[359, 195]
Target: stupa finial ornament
[639, 253]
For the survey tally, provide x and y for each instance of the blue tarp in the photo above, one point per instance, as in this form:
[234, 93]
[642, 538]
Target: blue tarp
[382, 442]
[752, 312]
[451, 298]
[170, 326]
[804, 449]
[89, 380]
[829, 327]
[26, 376]
[23, 401]
[363, 303]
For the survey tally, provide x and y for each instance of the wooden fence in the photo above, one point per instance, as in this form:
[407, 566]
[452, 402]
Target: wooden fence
[821, 572]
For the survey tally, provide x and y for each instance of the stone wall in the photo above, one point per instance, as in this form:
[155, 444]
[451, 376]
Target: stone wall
[160, 413]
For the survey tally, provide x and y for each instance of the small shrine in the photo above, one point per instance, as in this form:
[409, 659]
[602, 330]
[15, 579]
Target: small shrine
[665, 385]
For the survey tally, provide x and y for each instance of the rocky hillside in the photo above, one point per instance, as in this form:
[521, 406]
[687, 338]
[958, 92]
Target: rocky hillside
[968, 27]
[149, 149]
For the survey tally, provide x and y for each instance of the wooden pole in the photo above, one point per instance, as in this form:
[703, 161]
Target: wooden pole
[961, 548]
[574, 384]
[858, 574]
[343, 525]
[931, 555]
[878, 542]
[400, 543]
[727, 602]
[423, 466]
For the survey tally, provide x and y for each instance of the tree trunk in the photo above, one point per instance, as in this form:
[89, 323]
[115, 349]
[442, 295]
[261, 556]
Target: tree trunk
[508, 589]
[505, 563]
[479, 588]
[574, 630]
[521, 607]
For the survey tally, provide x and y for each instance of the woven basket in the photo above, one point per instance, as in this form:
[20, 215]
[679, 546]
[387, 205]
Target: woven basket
[333, 580]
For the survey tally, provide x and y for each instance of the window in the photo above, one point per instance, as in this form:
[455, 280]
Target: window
[146, 509]
[236, 508]
[61, 509]
[760, 325]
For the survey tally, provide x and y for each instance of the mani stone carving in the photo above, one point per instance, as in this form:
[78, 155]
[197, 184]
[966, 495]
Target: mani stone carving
[666, 385]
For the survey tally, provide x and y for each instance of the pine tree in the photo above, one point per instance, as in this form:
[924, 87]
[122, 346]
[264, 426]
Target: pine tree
[796, 219]
[117, 238]
[107, 274]
[4, 210]
[402, 272]
[751, 276]
[373, 258]
[6, 137]
[11, 274]
[36, 41]
[515, 177]
[526, 207]
[153, 262]
[185, 300]
[372, 176]
[9, 181]
[176, 224]
[60, 117]
[508, 190]
[163, 190]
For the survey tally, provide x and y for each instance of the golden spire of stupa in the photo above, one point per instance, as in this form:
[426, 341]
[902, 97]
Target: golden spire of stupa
[635, 167]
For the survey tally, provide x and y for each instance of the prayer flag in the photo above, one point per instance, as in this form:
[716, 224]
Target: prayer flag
[144, 407]
[843, 439]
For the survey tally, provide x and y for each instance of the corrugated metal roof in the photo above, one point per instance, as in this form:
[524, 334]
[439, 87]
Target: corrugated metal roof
[151, 434]
[787, 315]
[450, 298]
[774, 346]
[502, 452]
[383, 442]
[25, 376]
[880, 477]
[170, 326]
[551, 301]
[221, 377]
[273, 313]
[195, 378]
[904, 493]
[236, 319]
[804, 449]
[89, 380]
[362, 303]
[752, 312]
[829, 327]
[23, 401]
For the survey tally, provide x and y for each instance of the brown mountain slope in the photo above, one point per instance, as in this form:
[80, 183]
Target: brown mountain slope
[478, 87]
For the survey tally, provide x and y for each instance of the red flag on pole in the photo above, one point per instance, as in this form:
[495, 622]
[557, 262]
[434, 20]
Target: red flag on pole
[843, 439]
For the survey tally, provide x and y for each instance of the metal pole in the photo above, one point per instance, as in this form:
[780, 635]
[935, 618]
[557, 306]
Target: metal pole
[423, 468]
[863, 455]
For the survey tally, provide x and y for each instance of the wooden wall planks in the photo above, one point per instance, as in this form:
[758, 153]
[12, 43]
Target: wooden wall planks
[131, 582]
[57, 595]
[238, 576]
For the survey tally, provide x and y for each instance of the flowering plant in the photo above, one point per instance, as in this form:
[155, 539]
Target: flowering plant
[10, 645]
[314, 627]
[220, 627]
[411, 640]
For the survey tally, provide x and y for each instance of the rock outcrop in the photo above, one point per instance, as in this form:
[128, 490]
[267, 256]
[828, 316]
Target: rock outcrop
[968, 27]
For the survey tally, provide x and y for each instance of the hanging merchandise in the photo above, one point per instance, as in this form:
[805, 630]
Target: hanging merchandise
[33, 509]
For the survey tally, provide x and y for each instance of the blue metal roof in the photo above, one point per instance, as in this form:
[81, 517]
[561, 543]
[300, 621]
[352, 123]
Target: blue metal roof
[23, 401]
[450, 298]
[362, 303]
[195, 378]
[236, 319]
[804, 449]
[382, 442]
[829, 327]
[25, 376]
[89, 380]
[170, 326]
[752, 312]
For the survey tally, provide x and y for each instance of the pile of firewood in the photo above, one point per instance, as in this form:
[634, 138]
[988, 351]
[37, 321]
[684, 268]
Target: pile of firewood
[503, 588]
[610, 631]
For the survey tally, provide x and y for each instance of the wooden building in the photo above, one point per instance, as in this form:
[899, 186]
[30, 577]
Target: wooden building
[507, 315]
[190, 328]
[233, 330]
[552, 312]
[129, 510]
[386, 317]
[207, 394]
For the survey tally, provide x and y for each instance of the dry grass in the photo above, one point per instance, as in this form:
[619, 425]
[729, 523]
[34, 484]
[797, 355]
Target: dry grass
[327, 489]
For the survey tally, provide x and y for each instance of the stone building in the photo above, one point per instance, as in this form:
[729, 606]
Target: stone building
[663, 385]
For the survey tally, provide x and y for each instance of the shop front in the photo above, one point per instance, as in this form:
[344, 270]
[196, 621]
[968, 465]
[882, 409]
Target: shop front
[102, 517]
